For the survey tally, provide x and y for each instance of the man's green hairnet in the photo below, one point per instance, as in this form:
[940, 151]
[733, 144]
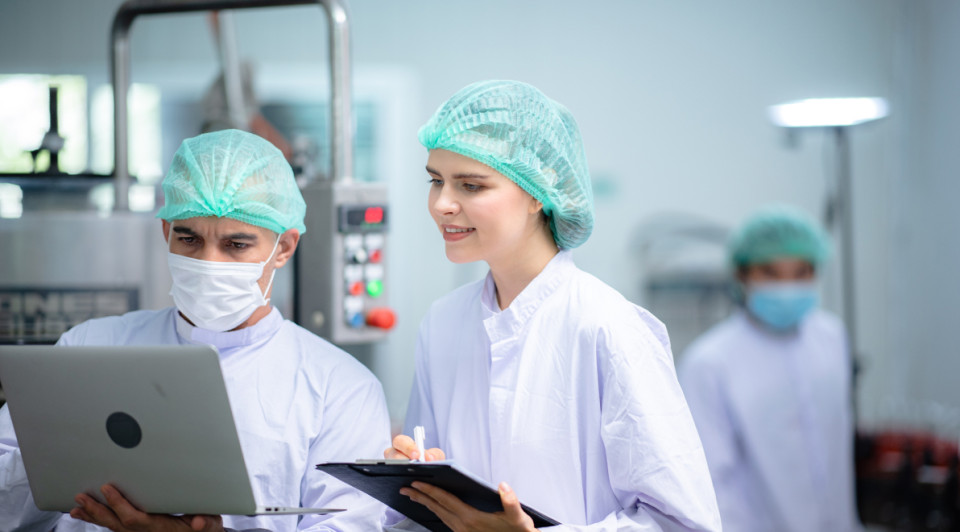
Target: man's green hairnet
[518, 131]
[233, 174]
[779, 231]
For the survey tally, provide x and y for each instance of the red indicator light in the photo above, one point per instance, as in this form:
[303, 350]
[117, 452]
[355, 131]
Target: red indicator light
[376, 256]
[356, 288]
[373, 215]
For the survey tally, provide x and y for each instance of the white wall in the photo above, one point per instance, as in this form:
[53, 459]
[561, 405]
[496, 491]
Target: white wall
[925, 268]
[671, 98]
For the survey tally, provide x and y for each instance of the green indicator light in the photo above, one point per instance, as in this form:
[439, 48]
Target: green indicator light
[375, 288]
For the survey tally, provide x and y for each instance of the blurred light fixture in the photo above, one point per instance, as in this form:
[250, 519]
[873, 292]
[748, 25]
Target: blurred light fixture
[828, 112]
[837, 115]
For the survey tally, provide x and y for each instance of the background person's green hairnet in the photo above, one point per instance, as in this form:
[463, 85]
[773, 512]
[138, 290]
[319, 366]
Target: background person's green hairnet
[518, 131]
[779, 231]
[233, 174]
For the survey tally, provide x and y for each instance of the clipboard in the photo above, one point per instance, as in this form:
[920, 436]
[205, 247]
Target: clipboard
[382, 480]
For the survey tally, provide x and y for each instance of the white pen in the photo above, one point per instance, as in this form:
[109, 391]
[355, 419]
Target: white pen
[418, 437]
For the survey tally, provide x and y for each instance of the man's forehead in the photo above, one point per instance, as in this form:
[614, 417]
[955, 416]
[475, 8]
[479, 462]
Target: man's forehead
[218, 227]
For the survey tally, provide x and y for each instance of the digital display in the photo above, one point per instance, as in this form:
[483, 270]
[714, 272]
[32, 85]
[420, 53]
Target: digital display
[361, 218]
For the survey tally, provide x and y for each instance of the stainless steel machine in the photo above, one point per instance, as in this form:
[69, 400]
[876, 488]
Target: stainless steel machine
[340, 289]
[341, 263]
[62, 264]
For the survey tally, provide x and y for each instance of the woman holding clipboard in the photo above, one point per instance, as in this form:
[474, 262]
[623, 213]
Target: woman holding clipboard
[541, 378]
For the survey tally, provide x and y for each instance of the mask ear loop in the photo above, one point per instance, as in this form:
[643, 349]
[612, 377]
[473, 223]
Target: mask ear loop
[272, 274]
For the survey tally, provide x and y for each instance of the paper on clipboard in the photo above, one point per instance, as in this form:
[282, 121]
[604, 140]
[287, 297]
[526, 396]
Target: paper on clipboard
[382, 480]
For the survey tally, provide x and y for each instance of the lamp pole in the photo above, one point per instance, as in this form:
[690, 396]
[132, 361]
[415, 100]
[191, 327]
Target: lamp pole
[845, 205]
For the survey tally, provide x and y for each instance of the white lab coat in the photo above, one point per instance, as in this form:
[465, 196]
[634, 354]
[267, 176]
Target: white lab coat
[570, 396]
[297, 401]
[774, 415]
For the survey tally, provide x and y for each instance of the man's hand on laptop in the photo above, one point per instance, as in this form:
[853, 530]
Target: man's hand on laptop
[121, 516]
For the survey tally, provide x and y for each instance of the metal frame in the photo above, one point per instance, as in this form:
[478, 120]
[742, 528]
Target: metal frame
[341, 135]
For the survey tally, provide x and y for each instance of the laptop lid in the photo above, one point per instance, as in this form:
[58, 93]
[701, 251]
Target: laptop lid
[155, 421]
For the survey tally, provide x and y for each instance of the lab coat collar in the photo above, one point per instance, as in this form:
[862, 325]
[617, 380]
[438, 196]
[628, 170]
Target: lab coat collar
[262, 330]
[509, 322]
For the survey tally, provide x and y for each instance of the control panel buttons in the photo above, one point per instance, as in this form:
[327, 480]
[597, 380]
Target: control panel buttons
[357, 256]
[355, 320]
[356, 288]
[364, 268]
[382, 317]
[374, 240]
[352, 272]
[375, 288]
[353, 305]
[373, 272]
[352, 242]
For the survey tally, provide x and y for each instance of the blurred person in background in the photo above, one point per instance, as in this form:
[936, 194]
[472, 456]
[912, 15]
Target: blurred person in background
[770, 387]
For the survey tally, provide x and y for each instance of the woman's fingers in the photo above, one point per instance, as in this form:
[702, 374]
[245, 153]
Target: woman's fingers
[435, 454]
[403, 447]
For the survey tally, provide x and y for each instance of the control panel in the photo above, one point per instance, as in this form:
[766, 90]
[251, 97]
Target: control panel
[342, 287]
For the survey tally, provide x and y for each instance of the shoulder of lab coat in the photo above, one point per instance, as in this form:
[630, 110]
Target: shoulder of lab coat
[137, 327]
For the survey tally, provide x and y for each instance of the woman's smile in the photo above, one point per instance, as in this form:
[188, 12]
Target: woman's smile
[452, 233]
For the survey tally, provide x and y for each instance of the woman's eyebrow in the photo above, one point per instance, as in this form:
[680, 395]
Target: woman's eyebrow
[462, 175]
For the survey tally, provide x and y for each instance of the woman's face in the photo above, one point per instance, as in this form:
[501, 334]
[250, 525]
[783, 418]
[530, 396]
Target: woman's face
[481, 214]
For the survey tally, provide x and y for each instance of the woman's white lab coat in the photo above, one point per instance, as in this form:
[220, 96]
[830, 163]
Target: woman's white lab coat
[774, 415]
[569, 395]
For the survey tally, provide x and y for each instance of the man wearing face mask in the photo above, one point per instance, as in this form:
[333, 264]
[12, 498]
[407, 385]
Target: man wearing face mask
[769, 387]
[232, 216]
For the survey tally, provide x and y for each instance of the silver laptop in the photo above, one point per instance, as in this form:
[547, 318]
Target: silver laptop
[154, 421]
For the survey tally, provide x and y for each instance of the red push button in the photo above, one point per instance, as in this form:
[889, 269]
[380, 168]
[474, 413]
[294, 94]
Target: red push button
[382, 317]
[356, 288]
[376, 256]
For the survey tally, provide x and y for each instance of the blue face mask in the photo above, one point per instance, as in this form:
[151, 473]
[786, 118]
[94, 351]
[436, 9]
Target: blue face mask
[781, 306]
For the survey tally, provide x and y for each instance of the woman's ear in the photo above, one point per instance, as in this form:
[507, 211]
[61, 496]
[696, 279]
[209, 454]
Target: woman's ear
[535, 207]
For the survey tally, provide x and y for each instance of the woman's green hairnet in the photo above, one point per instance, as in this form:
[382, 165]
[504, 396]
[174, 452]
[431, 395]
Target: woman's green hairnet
[518, 131]
[233, 174]
[779, 231]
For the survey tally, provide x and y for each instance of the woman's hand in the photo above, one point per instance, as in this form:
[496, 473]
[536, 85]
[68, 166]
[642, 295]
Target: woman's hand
[405, 447]
[121, 516]
[461, 517]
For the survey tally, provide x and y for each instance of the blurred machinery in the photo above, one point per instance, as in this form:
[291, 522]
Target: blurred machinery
[684, 279]
[45, 289]
[908, 481]
[340, 291]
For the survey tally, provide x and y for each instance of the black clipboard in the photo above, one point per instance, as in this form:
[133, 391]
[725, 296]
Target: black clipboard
[382, 480]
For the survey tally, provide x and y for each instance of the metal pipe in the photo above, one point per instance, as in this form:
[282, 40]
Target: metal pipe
[845, 206]
[230, 66]
[341, 111]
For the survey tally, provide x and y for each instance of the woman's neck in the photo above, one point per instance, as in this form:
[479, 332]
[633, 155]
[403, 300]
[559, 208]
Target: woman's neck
[512, 274]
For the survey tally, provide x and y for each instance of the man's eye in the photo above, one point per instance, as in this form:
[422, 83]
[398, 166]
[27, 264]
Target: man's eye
[239, 245]
[188, 239]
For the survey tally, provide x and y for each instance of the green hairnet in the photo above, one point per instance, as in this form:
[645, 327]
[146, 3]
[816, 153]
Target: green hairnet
[515, 129]
[233, 174]
[779, 231]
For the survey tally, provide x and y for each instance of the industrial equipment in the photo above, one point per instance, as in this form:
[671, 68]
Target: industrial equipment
[341, 263]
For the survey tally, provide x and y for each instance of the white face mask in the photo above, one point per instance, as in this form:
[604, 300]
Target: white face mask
[218, 295]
